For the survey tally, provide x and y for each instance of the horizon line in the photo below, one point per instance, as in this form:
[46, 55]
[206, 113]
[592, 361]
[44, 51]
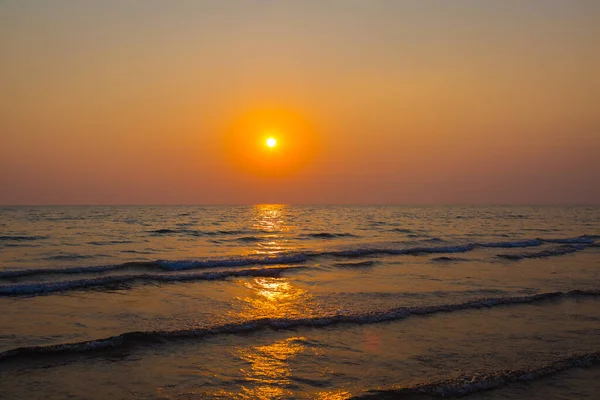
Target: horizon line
[307, 204]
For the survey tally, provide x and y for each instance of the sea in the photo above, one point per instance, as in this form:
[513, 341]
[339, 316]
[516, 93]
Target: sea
[299, 302]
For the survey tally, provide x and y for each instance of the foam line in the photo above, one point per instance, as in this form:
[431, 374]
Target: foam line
[574, 244]
[63, 286]
[140, 337]
[558, 251]
[469, 384]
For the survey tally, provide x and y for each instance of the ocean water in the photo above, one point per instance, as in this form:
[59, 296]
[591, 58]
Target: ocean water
[278, 302]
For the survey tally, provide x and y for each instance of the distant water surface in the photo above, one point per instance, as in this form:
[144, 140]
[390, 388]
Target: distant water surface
[322, 302]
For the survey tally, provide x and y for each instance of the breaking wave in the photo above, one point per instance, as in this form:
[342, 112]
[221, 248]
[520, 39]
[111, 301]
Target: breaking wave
[294, 258]
[576, 240]
[519, 243]
[558, 251]
[52, 287]
[18, 273]
[231, 262]
[367, 251]
[140, 337]
[469, 384]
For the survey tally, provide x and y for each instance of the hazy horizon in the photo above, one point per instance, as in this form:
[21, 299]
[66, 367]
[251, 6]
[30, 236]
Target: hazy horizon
[407, 205]
[371, 102]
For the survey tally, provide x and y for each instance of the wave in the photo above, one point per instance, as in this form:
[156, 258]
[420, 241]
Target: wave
[72, 256]
[140, 337]
[63, 286]
[576, 240]
[18, 273]
[558, 251]
[168, 265]
[361, 252]
[469, 384]
[515, 216]
[193, 232]
[360, 264]
[293, 258]
[518, 243]
[249, 239]
[448, 259]
[401, 230]
[434, 239]
[420, 295]
[328, 235]
[18, 244]
[164, 231]
[137, 251]
[109, 242]
[18, 238]
[225, 232]
[231, 262]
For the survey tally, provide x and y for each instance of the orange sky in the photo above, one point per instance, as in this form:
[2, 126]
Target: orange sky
[156, 102]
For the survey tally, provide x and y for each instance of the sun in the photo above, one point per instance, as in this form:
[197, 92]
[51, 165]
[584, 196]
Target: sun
[271, 142]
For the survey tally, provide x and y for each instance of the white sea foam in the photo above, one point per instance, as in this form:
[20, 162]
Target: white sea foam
[469, 384]
[52, 287]
[518, 243]
[231, 262]
[557, 251]
[131, 338]
[300, 257]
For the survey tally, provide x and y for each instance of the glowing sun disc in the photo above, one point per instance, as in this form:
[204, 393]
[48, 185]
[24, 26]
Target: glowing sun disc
[271, 142]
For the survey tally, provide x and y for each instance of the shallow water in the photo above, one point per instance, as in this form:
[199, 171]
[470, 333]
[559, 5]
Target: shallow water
[299, 302]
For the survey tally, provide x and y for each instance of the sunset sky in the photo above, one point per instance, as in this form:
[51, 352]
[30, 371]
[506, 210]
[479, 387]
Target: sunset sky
[404, 102]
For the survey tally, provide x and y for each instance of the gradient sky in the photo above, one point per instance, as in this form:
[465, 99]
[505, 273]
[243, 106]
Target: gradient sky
[149, 102]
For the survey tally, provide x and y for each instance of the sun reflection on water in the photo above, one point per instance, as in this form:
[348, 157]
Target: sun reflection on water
[275, 298]
[271, 222]
[269, 372]
[334, 395]
[269, 217]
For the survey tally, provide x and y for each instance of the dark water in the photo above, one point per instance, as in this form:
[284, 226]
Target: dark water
[271, 302]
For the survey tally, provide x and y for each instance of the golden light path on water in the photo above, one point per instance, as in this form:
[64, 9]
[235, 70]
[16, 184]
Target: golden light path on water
[270, 220]
[268, 375]
[273, 297]
[269, 372]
